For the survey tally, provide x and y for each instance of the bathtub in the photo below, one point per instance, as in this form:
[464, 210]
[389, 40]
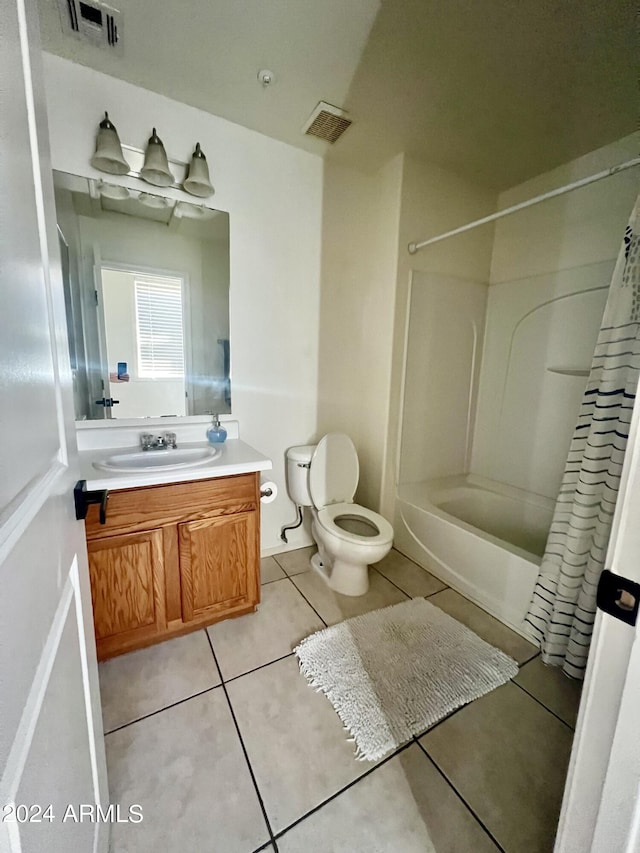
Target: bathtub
[483, 538]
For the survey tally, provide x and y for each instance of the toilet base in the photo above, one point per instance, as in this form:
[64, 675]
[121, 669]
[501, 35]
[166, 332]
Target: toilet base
[319, 567]
[343, 577]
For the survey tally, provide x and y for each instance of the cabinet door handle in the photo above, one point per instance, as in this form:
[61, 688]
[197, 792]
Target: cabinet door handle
[82, 498]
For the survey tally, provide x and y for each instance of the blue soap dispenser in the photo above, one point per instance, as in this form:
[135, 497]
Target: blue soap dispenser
[216, 433]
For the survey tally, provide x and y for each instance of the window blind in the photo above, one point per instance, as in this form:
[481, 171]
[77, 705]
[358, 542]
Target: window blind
[159, 328]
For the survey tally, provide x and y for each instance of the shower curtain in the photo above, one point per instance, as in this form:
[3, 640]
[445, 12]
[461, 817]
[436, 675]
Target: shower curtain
[562, 610]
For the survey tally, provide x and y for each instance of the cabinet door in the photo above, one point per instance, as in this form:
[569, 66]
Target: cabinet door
[219, 565]
[127, 586]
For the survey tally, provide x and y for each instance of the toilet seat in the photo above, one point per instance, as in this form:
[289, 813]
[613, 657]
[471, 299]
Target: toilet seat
[334, 471]
[327, 515]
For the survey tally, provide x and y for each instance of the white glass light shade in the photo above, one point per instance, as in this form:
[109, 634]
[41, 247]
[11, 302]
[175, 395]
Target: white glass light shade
[113, 191]
[192, 211]
[108, 156]
[197, 182]
[158, 202]
[156, 166]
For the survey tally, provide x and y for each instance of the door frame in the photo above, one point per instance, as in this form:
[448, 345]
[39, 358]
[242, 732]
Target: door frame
[601, 805]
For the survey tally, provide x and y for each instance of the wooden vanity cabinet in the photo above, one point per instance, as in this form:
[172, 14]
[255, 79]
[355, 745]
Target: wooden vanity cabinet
[173, 558]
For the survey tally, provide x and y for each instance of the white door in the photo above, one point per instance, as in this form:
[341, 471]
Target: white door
[51, 745]
[601, 807]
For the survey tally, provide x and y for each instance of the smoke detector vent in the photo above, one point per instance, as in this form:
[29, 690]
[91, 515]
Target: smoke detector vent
[327, 122]
[93, 22]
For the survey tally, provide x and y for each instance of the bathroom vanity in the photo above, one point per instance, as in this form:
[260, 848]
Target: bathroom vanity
[146, 279]
[177, 551]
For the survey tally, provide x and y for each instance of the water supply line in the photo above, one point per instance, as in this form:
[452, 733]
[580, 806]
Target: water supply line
[583, 182]
[283, 532]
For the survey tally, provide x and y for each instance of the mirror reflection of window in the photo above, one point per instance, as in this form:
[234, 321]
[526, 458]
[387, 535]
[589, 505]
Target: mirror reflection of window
[159, 332]
[144, 333]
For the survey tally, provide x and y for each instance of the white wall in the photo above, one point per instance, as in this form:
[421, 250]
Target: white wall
[550, 271]
[359, 231]
[273, 194]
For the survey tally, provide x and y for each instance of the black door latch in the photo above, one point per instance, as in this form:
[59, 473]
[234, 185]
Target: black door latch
[107, 402]
[618, 597]
[83, 498]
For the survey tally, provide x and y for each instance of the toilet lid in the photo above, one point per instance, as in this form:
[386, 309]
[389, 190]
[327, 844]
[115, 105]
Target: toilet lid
[333, 476]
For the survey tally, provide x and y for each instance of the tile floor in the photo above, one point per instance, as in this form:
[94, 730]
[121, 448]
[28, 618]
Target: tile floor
[220, 739]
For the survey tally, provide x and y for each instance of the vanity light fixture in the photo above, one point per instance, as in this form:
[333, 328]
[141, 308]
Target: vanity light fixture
[192, 211]
[108, 156]
[197, 181]
[156, 166]
[113, 191]
[157, 202]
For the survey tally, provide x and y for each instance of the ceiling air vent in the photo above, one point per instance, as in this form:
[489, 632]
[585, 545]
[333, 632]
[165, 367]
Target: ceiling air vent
[92, 22]
[327, 122]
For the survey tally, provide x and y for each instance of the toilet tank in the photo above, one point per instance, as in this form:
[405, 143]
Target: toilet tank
[298, 462]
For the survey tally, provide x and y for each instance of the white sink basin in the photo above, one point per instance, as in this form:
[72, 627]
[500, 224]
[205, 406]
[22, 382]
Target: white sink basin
[152, 460]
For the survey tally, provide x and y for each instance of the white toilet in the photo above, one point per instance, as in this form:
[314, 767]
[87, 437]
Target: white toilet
[324, 477]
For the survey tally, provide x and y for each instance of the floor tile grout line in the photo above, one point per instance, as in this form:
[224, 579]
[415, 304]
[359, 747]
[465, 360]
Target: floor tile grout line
[244, 749]
[542, 705]
[257, 668]
[164, 708]
[281, 553]
[461, 798]
[431, 594]
[528, 660]
[390, 581]
[324, 622]
[351, 784]
[444, 719]
[264, 846]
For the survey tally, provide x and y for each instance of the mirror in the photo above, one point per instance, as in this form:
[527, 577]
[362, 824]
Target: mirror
[146, 283]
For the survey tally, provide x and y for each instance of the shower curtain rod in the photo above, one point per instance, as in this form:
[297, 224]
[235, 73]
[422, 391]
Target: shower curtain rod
[583, 182]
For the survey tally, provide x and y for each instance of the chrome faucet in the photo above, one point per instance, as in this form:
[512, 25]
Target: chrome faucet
[167, 440]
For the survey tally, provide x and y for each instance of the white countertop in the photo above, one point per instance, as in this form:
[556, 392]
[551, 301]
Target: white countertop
[236, 457]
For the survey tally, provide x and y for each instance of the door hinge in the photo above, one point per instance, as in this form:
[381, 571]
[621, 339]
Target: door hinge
[618, 597]
[96, 297]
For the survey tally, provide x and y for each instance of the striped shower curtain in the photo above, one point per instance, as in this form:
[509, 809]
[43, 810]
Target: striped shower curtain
[562, 611]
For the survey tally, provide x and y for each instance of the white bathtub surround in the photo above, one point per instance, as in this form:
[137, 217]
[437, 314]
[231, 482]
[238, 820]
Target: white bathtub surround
[551, 267]
[481, 537]
[548, 270]
[392, 673]
[563, 608]
[444, 350]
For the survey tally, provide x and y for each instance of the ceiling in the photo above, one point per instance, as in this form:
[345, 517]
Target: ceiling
[497, 91]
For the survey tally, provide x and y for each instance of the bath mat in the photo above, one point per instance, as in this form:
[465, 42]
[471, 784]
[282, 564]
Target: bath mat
[392, 673]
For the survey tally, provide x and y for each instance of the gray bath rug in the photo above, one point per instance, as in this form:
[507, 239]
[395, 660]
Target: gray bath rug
[392, 673]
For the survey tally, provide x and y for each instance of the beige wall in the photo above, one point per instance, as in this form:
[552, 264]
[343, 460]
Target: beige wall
[359, 239]
[368, 220]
